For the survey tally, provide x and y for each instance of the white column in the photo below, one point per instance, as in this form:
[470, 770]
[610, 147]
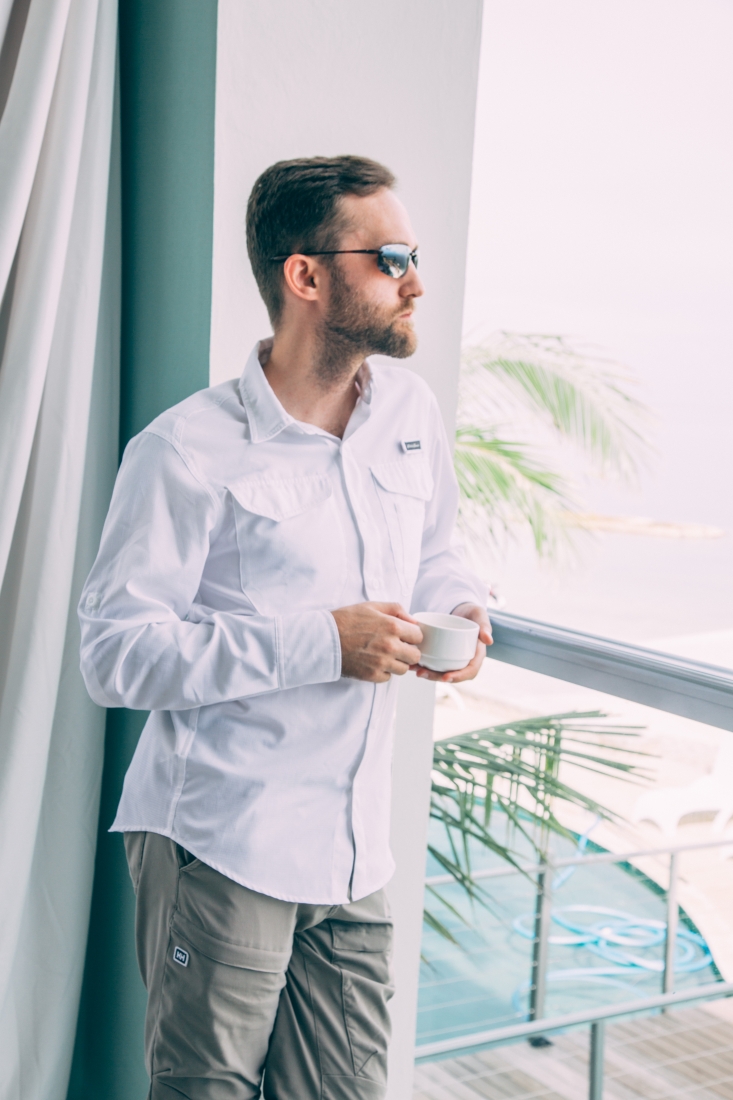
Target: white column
[411, 769]
[396, 82]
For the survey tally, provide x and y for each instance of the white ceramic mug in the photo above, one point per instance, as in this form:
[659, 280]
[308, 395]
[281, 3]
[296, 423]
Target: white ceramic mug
[448, 641]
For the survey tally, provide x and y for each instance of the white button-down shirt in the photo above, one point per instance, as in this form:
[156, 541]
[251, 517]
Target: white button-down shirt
[233, 529]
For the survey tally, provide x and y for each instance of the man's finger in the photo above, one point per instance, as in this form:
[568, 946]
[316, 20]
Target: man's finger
[408, 655]
[471, 669]
[396, 610]
[457, 675]
[476, 614]
[399, 669]
[409, 632]
[408, 629]
[466, 673]
[428, 674]
[404, 660]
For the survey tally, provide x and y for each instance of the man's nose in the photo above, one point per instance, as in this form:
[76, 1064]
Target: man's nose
[411, 283]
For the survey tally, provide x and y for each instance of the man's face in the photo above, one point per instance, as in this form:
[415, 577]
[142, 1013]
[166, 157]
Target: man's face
[366, 309]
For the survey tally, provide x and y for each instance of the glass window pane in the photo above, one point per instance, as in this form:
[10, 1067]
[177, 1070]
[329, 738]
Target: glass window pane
[601, 212]
[607, 935]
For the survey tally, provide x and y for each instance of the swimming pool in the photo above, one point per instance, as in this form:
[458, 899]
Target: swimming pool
[606, 945]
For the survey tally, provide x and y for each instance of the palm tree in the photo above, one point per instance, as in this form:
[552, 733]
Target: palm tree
[513, 771]
[558, 391]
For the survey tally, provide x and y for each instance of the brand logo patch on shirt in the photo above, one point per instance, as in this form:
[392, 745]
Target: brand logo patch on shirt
[411, 445]
[180, 956]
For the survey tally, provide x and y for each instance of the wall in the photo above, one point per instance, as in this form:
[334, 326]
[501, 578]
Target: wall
[396, 82]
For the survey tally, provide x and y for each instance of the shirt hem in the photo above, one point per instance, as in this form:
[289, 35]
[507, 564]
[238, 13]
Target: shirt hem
[249, 884]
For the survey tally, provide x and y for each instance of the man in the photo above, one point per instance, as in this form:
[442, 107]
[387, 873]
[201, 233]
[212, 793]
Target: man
[264, 540]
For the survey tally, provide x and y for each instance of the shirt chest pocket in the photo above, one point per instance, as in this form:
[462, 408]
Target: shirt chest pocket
[403, 488]
[291, 545]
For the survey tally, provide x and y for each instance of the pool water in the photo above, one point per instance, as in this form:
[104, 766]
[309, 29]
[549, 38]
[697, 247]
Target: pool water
[606, 944]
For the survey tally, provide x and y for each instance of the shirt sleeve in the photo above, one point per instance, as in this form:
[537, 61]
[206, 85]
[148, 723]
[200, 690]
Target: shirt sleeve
[139, 649]
[443, 581]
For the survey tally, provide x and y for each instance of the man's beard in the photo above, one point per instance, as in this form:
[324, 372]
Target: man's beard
[354, 327]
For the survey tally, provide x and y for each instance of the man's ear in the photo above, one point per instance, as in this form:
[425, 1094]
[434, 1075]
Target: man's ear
[303, 277]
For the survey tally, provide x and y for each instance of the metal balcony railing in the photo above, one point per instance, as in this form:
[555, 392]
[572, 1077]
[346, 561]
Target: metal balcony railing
[691, 689]
[595, 1017]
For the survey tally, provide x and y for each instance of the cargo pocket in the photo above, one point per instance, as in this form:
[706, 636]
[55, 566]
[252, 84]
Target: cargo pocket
[403, 488]
[218, 1003]
[216, 950]
[362, 953]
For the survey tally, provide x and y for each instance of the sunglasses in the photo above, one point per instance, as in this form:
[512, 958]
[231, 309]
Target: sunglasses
[392, 259]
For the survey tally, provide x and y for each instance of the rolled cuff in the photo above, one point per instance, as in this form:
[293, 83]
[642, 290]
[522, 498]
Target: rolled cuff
[309, 649]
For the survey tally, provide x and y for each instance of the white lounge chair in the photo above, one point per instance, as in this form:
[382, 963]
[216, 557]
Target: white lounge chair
[712, 794]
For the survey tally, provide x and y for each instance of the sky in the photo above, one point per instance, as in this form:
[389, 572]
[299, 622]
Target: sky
[601, 210]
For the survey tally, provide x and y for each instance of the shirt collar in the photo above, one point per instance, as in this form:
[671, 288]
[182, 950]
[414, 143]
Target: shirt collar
[265, 414]
[365, 382]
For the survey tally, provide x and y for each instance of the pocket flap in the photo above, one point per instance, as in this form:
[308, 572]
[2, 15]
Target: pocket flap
[361, 937]
[280, 498]
[410, 476]
[231, 954]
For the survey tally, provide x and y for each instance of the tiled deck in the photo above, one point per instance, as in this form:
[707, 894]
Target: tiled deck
[686, 1053]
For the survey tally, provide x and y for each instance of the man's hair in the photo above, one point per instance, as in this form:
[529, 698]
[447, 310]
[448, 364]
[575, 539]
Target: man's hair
[295, 207]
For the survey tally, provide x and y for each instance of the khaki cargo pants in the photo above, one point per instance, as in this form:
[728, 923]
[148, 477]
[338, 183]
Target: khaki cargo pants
[240, 984]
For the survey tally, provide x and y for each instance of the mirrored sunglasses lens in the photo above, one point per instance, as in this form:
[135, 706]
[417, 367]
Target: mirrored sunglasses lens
[393, 260]
[413, 257]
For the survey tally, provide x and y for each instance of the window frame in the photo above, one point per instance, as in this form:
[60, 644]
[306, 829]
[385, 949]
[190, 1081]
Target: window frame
[690, 689]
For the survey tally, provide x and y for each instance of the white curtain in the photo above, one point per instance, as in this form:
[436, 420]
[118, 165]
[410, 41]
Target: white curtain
[59, 287]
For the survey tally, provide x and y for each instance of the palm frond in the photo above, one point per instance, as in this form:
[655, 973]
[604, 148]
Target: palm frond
[584, 397]
[503, 485]
[437, 925]
[514, 768]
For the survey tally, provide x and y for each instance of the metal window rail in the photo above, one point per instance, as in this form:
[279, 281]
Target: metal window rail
[688, 688]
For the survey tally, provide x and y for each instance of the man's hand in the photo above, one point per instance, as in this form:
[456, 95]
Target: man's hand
[477, 615]
[377, 640]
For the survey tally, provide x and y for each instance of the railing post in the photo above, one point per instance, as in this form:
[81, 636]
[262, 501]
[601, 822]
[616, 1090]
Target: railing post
[597, 1034]
[672, 917]
[540, 946]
